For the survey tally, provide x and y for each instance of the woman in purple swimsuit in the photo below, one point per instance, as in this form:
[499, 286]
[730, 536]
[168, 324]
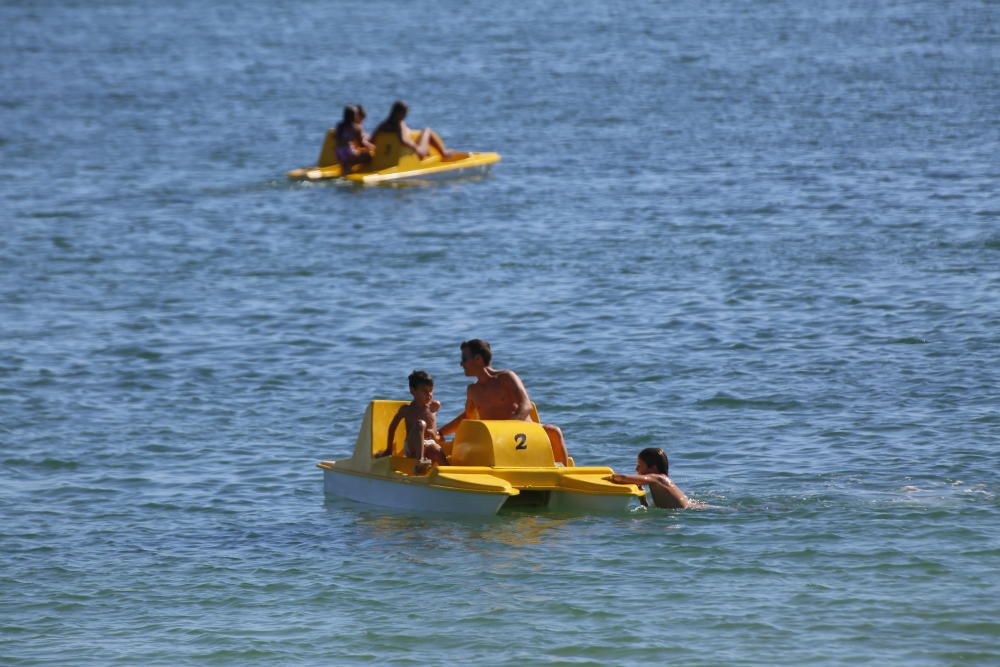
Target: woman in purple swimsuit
[352, 146]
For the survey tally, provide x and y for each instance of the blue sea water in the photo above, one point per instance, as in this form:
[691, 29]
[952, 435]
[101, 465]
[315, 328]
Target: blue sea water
[763, 235]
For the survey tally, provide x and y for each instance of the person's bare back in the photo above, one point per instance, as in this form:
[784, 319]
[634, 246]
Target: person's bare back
[499, 396]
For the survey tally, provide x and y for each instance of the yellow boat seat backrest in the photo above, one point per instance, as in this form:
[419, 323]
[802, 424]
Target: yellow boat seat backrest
[478, 442]
[391, 152]
[328, 153]
[382, 413]
[502, 444]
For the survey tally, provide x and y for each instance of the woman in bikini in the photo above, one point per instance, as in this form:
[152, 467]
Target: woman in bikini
[419, 141]
[352, 146]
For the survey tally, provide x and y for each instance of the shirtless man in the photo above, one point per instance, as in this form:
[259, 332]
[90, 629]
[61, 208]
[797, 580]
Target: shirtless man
[498, 394]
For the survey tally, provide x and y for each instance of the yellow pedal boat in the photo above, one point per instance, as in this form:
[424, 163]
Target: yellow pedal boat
[494, 464]
[393, 161]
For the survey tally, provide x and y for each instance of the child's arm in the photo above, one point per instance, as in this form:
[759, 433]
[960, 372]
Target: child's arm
[392, 433]
[434, 432]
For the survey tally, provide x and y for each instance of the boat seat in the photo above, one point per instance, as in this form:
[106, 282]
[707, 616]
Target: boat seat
[382, 414]
[391, 152]
[328, 153]
[403, 464]
[504, 443]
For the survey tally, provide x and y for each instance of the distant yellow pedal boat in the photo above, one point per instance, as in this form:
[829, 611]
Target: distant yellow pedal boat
[494, 464]
[393, 161]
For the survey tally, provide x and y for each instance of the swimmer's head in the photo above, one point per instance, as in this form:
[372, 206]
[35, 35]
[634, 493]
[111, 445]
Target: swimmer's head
[653, 459]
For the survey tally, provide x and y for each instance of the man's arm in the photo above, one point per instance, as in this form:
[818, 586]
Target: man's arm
[522, 404]
[452, 426]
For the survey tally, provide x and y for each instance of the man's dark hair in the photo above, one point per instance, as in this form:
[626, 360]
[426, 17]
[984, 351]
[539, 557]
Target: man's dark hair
[480, 347]
[420, 379]
[654, 457]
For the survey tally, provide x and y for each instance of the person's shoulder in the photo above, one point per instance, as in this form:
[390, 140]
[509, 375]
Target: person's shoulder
[510, 377]
[662, 479]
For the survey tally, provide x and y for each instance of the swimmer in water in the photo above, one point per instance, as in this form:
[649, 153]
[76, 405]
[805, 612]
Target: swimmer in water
[651, 467]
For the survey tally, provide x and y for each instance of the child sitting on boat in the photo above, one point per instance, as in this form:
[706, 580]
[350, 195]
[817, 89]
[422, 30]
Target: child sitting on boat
[652, 466]
[423, 442]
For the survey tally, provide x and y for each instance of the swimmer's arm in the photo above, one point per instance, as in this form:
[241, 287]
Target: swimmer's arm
[618, 478]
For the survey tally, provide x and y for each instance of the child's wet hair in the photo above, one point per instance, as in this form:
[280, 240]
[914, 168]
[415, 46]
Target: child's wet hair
[420, 379]
[654, 457]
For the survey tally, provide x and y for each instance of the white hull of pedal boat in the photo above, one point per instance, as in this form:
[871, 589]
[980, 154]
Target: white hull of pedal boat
[410, 497]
